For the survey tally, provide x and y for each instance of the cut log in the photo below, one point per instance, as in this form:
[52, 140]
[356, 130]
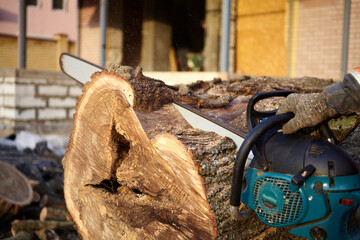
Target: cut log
[21, 236]
[58, 214]
[52, 201]
[126, 177]
[35, 225]
[47, 234]
[119, 184]
[15, 191]
[30, 212]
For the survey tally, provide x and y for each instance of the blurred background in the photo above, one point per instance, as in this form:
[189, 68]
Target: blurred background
[270, 37]
[178, 40]
[183, 39]
[280, 38]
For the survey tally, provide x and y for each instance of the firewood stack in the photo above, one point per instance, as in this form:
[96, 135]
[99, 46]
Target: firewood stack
[32, 201]
[15, 191]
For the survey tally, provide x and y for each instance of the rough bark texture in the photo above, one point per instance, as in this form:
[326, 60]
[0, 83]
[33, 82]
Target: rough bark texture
[127, 177]
[147, 97]
[215, 156]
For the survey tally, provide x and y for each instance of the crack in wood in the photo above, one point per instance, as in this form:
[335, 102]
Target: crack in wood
[121, 148]
[111, 185]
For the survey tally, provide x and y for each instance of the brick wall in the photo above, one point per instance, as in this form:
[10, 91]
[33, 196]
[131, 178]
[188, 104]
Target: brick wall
[311, 37]
[354, 37]
[37, 101]
[320, 38]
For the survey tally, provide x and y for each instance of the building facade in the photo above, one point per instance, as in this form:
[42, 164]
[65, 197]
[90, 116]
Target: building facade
[297, 38]
[285, 38]
[290, 38]
[51, 30]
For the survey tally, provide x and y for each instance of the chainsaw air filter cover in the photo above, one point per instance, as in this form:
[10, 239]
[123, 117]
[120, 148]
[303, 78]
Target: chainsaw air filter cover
[276, 203]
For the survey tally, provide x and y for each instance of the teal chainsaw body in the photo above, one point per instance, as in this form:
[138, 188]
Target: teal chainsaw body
[296, 180]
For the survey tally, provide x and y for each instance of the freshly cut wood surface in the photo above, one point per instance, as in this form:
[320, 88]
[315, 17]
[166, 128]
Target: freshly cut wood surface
[120, 184]
[15, 191]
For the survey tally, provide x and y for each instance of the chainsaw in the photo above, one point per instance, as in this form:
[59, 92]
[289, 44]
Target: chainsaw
[296, 180]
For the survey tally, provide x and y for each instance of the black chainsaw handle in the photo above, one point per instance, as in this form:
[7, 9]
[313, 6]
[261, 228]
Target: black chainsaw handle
[241, 157]
[254, 117]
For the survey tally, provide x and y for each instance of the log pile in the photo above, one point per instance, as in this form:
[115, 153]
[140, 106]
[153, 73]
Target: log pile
[40, 211]
[15, 191]
[134, 169]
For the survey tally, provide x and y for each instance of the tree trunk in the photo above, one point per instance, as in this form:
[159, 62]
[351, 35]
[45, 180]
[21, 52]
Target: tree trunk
[15, 191]
[135, 174]
[120, 184]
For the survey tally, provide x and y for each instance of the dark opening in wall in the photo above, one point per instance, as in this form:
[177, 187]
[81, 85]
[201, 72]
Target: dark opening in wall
[132, 20]
[188, 19]
[58, 4]
[32, 3]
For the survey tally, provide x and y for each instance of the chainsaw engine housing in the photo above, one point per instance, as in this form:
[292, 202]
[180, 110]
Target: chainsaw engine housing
[302, 181]
[325, 200]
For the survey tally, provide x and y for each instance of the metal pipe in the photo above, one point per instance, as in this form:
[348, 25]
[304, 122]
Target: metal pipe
[103, 26]
[78, 28]
[22, 35]
[289, 37]
[345, 40]
[225, 35]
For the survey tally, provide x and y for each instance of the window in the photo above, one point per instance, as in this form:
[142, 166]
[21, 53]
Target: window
[34, 3]
[58, 4]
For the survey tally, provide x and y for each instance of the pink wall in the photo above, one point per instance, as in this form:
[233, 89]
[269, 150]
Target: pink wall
[43, 21]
